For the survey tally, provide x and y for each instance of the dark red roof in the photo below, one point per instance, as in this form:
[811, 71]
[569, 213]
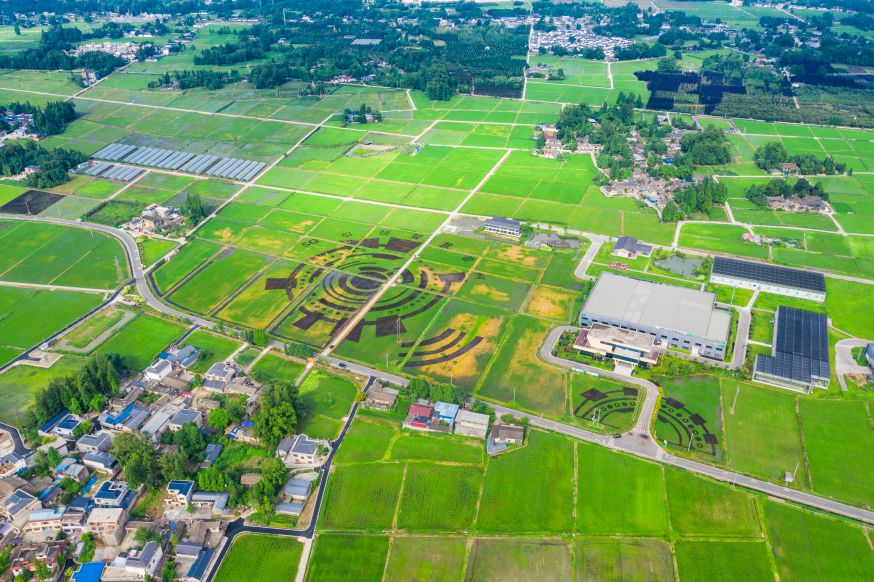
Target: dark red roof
[421, 410]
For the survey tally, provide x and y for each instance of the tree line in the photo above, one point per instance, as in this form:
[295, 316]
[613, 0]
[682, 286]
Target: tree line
[53, 164]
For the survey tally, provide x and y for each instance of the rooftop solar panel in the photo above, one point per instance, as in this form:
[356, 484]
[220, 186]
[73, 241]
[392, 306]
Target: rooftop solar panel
[771, 274]
[800, 346]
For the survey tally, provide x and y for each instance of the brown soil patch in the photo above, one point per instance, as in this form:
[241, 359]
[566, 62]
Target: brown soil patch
[483, 290]
[465, 369]
[517, 255]
[551, 303]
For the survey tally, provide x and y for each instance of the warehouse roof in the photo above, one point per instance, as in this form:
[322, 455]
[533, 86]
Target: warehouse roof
[800, 346]
[772, 274]
[656, 305]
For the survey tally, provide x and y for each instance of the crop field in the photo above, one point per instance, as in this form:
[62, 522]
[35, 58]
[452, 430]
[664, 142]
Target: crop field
[720, 238]
[740, 418]
[430, 176]
[338, 557]
[436, 512]
[689, 418]
[19, 384]
[327, 398]
[213, 348]
[142, 339]
[27, 316]
[274, 558]
[51, 254]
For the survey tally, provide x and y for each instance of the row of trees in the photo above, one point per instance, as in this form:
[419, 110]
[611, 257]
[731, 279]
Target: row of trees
[769, 157]
[86, 390]
[183, 80]
[421, 388]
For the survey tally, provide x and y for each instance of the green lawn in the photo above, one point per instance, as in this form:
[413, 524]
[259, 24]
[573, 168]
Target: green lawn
[18, 385]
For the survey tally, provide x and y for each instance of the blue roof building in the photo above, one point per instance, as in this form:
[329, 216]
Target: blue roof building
[113, 494]
[198, 568]
[446, 411]
[89, 572]
[180, 492]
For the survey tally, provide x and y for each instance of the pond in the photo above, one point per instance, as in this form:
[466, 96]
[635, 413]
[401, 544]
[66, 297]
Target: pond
[680, 266]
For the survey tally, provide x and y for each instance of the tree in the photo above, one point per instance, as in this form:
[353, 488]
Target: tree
[278, 415]
[211, 479]
[219, 419]
[771, 155]
[259, 337]
[138, 459]
[193, 210]
[42, 570]
[144, 535]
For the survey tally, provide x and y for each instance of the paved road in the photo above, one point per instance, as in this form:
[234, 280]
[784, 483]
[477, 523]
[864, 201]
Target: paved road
[597, 242]
[844, 361]
[19, 449]
[45, 287]
[133, 259]
[237, 527]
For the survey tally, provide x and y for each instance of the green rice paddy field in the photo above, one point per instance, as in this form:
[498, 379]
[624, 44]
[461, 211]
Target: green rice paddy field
[765, 432]
[597, 513]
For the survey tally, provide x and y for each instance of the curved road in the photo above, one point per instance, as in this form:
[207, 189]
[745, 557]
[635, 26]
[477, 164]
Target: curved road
[638, 441]
[133, 259]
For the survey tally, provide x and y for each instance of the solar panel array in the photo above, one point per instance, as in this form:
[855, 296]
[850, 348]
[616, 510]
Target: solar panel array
[204, 164]
[113, 172]
[771, 274]
[800, 346]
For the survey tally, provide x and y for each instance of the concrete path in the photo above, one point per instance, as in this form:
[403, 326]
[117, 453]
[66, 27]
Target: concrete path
[126, 316]
[47, 287]
[844, 361]
[597, 242]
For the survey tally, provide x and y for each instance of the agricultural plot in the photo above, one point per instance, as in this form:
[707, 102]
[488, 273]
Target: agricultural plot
[456, 133]
[477, 108]
[348, 557]
[274, 558]
[413, 559]
[602, 405]
[19, 384]
[623, 558]
[327, 398]
[274, 367]
[433, 176]
[709, 561]
[562, 193]
[689, 417]
[805, 544]
[519, 559]
[142, 339]
[720, 238]
[74, 257]
[699, 506]
[27, 317]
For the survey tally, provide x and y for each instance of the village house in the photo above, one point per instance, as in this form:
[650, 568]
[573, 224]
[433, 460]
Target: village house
[218, 376]
[630, 248]
[140, 563]
[507, 434]
[380, 397]
[48, 522]
[98, 442]
[419, 417]
[161, 218]
[25, 556]
[472, 424]
[179, 493]
[17, 507]
[100, 462]
[185, 416]
[444, 413]
[301, 450]
[128, 419]
[296, 490]
[113, 494]
[157, 371]
[107, 524]
[215, 501]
